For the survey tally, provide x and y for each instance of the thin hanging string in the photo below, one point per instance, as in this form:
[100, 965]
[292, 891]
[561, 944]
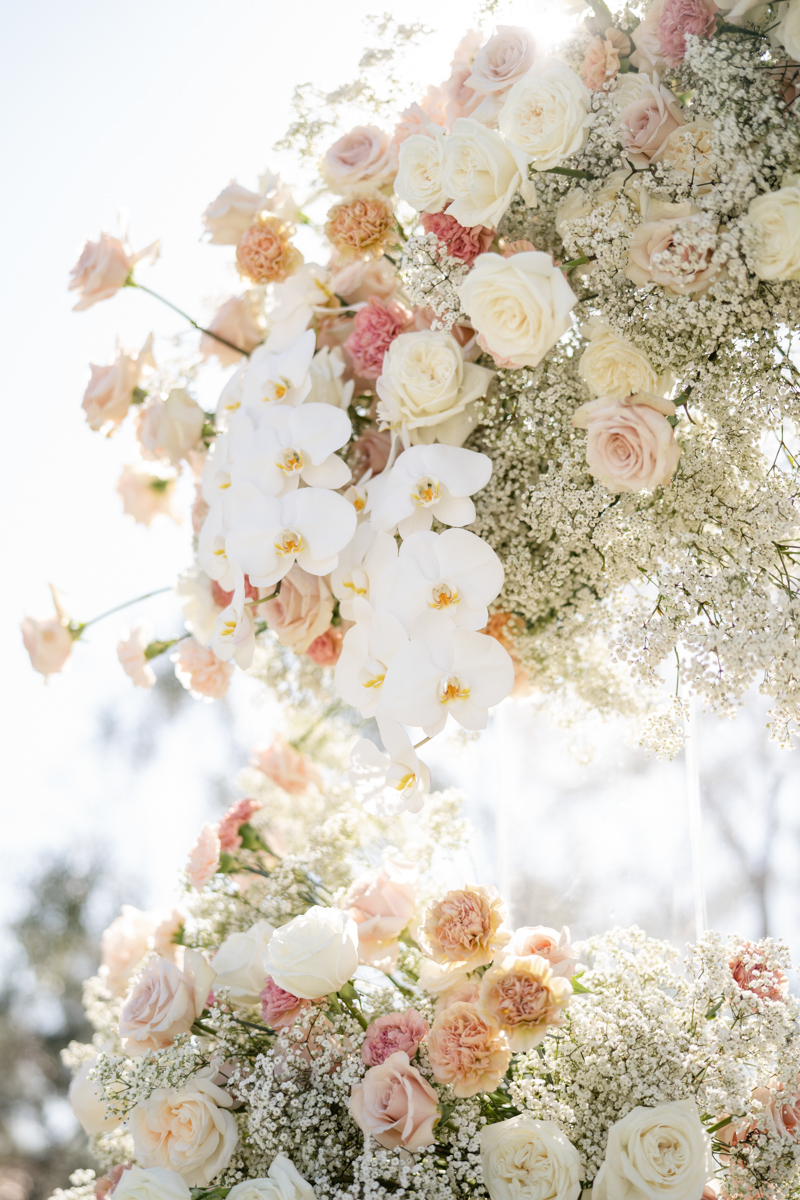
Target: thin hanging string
[695, 803]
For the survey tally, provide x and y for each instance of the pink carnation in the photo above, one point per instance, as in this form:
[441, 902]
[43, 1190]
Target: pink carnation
[460, 241]
[374, 329]
[278, 1007]
[395, 1031]
[679, 17]
[203, 858]
[228, 828]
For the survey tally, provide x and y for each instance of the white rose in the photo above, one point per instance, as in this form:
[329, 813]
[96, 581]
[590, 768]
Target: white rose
[526, 1159]
[482, 172]
[788, 31]
[86, 1101]
[421, 171]
[168, 429]
[661, 1153]
[239, 964]
[315, 954]
[234, 211]
[546, 113]
[283, 1182]
[520, 305]
[612, 366]
[775, 219]
[186, 1130]
[327, 383]
[165, 1001]
[139, 1183]
[427, 389]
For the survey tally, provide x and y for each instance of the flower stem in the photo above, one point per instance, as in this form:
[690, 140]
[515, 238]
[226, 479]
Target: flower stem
[118, 608]
[575, 262]
[154, 649]
[131, 282]
[726, 27]
[571, 171]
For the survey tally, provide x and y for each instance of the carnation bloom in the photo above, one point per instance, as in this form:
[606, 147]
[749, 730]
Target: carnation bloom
[466, 926]
[679, 18]
[287, 767]
[203, 860]
[525, 998]
[361, 225]
[468, 1050]
[228, 829]
[392, 1032]
[200, 671]
[265, 254]
[280, 1008]
[374, 329]
[460, 241]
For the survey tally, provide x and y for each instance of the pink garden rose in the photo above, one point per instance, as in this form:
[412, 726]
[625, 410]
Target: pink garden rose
[109, 392]
[364, 155]
[203, 858]
[287, 767]
[381, 902]
[548, 944]
[648, 55]
[326, 649]
[460, 241]
[228, 829]
[241, 322]
[677, 253]
[395, 1105]
[302, 611]
[392, 1032]
[102, 269]
[631, 446]
[679, 17]
[497, 66]
[280, 1008]
[414, 119]
[165, 1002]
[123, 946]
[648, 121]
[204, 675]
[468, 1050]
[374, 329]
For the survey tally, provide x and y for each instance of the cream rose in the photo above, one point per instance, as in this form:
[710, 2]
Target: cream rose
[165, 1002]
[648, 121]
[364, 155]
[302, 611]
[123, 946]
[421, 171]
[153, 1183]
[168, 429]
[283, 1182]
[315, 954]
[688, 152]
[482, 172]
[239, 964]
[86, 1101]
[631, 446]
[526, 1159]
[546, 114]
[395, 1105]
[661, 1153]
[232, 213]
[775, 220]
[185, 1129]
[788, 31]
[520, 305]
[427, 390]
[612, 366]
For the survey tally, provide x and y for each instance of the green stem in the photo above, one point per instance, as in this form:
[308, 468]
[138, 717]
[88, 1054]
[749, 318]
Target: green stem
[131, 282]
[571, 171]
[575, 262]
[154, 649]
[204, 1029]
[351, 1008]
[725, 27]
[109, 612]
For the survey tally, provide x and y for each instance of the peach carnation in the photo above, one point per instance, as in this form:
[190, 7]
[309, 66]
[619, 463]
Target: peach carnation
[374, 329]
[459, 240]
[602, 58]
[525, 998]
[392, 1032]
[465, 927]
[287, 767]
[265, 254]
[361, 225]
[236, 816]
[467, 1050]
[203, 858]
[280, 1008]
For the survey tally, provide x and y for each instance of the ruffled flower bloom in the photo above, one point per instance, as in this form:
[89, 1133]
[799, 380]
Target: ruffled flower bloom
[203, 862]
[395, 1105]
[49, 643]
[200, 671]
[466, 927]
[525, 998]
[287, 767]
[546, 114]
[186, 1129]
[361, 225]
[314, 954]
[459, 241]
[679, 18]
[110, 391]
[657, 1151]
[167, 429]
[280, 1008]
[265, 253]
[523, 1157]
[123, 945]
[481, 174]
[394, 1031]
[131, 654]
[374, 329]
[601, 60]
[103, 268]
[752, 974]
[631, 445]
[237, 815]
[326, 649]
[613, 367]
[467, 1050]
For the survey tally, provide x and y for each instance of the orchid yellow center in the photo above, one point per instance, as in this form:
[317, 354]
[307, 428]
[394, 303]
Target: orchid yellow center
[276, 389]
[223, 480]
[405, 783]
[452, 689]
[228, 628]
[291, 460]
[426, 491]
[350, 583]
[372, 674]
[232, 407]
[359, 503]
[290, 542]
[442, 596]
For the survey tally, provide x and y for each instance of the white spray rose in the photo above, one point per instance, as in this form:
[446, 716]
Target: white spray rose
[661, 1153]
[420, 174]
[315, 954]
[328, 385]
[612, 366]
[154, 1183]
[86, 1101]
[185, 1129]
[482, 172]
[775, 220]
[546, 114]
[283, 1182]
[239, 964]
[520, 305]
[526, 1159]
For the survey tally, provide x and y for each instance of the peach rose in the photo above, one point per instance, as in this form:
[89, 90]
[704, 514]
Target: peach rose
[466, 927]
[602, 58]
[687, 151]
[239, 320]
[237, 815]
[164, 1003]
[203, 861]
[414, 119]
[679, 18]
[374, 329]
[361, 225]
[459, 240]
[123, 946]
[49, 643]
[302, 611]
[373, 448]
[677, 253]
[185, 1129]
[287, 767]
[168, 429]
[280, 1008]
[381, 902]
[103, 268]
[364, 155]
[265, 254]
[146, 494]
[110, 391]
[497, 66]
[200, 671]
[395, 1031]
[468, 1050]
[395, 1105]
[466, 991]
[525, 998]
[548, 944]
[326, 649]
[631, 446]
[648, 55]
[648, 121]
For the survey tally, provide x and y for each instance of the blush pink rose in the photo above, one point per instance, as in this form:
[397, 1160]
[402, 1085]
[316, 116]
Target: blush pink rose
[287, 767]
[164, 1003]
[395, 1105]
[631, 447]
[203, 859]
[280, 1008]
[302, 611]
[497, 66]
[204, 675]
[123, 946]
[413, 120]
[240, 321]
[648, 121]
[381, 902]
[548, 944]
[392, 1032]
[679, 17]
[49, 643]
[461, 242]
[373, 448]
[752, 974]
[374, 329]
[364, 155]
[677, 254]
[228, 829]
[103, 268]
[146, 495]
[785, 1110]
[110, 391]
[326, 649]
[467, 1050]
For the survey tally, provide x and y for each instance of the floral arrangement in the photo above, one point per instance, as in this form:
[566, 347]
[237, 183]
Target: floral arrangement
[325, 1016]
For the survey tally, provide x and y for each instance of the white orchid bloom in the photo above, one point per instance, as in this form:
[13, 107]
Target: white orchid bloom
[294, 303]
[361, 564]
[309, 526]
[291, 444]
[212, 549]
[428, 481]
[455, 574]
[234, 635]
[368, 650]
[327, 383]
[268, 378]
[388, 784]
[462, 675]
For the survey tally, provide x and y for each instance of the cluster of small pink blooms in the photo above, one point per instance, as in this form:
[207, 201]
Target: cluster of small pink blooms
[237, 815]
[280, 1008]
[459, 242]
[200, 671]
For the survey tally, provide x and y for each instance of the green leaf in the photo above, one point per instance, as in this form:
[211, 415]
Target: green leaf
[578, 987]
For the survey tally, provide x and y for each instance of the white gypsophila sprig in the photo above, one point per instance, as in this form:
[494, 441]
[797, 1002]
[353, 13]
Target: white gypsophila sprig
[432, 278]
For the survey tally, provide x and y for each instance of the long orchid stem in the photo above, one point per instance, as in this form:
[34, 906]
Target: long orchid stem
[118, 608]
[131, 282]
